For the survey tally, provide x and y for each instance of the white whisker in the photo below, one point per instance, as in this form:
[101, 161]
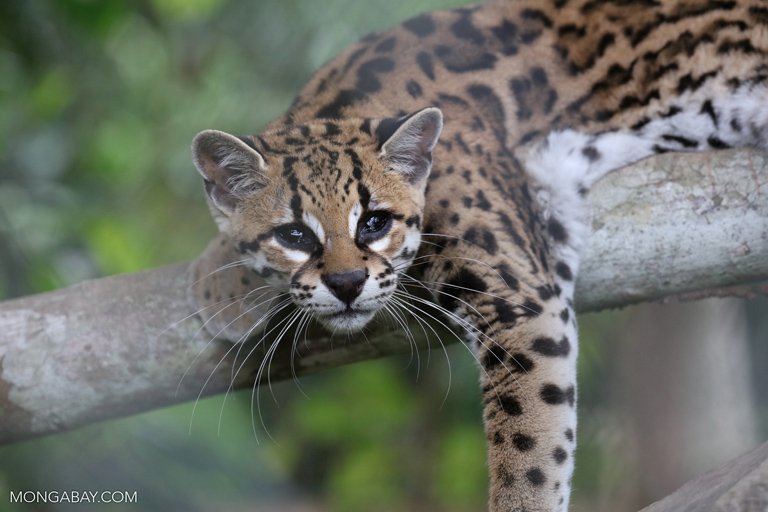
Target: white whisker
[399, 303]
[229, 265]
[233, 376]
[213, 338]
[221, 360]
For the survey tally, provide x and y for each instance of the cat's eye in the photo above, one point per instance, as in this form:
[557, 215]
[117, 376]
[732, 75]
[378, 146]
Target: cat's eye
[296, 236]
[373, 225]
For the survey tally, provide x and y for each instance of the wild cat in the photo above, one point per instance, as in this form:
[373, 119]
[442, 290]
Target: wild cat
[457, 149]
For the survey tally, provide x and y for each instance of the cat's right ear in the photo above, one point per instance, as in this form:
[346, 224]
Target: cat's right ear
[230, 166]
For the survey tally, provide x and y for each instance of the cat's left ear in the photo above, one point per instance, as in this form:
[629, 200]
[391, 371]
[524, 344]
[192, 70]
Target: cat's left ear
[230, 166]
[407, 142]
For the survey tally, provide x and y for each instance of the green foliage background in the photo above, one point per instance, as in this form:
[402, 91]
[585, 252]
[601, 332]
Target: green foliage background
[99, 101]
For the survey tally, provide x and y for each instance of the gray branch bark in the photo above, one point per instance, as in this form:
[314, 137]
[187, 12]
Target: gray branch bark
[741, 485]
[673, 226]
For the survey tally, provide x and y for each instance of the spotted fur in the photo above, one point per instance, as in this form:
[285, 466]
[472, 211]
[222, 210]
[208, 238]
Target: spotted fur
[539, 99]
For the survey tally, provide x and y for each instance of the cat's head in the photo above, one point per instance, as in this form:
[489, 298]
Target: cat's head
[329, 211]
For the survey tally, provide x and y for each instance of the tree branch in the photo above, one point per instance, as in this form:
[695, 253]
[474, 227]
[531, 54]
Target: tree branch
[673, 226]
[739, 485]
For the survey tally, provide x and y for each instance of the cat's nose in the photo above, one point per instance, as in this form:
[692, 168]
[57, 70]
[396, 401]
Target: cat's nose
[346, 285]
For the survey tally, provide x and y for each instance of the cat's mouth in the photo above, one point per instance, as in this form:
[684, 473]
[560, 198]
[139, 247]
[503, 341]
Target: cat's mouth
[346, 320]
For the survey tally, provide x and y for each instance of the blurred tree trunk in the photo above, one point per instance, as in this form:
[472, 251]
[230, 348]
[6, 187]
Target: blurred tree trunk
[684, 383]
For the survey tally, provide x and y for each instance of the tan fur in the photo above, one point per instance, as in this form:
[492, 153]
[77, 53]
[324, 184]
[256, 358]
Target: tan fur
[516, 81]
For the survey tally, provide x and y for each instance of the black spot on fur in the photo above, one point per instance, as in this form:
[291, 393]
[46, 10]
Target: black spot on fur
[570, 29]
[523, 442]
[532, 308]
[510, 405]
[507, 478]
[569, 434]
[741, 46]
[413, 88]
[494, 357]
[591, 153]
[539, 77]
[424, 60]
[520, 88]
[465, 30]
[509, 279]
[422, 25]
[688, 82]
[520, 363]
[467, 175]
[464, 282]
[343, 99]
[252, 246]
[509, 228]
[481, 201]
[506, 33]
[482, 238]
[548, 347]
[564, 271]
[565, 315]
[545, 292]
[557, 231]
[367, 80]
[332, 129]
[451, 99]
[536, 477]
[559, 454]
[386, 45]
[413, 220]
[716, 143]
[683, 141]
[489, 104]
[555, 395]
[529, 136]
[631, 101]
[504, 311]
[464, 60]
[759, 14]
[535, 14]
[708, 109]
[530, 35]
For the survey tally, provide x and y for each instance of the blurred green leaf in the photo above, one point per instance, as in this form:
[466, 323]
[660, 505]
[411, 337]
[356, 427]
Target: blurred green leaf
[117, 247]
[370, 479]
[461, 473]
[186, 10]
[92, 17]
[52, 93]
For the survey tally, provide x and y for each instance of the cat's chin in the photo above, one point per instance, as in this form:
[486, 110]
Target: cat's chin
[346, 321]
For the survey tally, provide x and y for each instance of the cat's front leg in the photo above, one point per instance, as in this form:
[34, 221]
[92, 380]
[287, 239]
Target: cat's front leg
[523, 332]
